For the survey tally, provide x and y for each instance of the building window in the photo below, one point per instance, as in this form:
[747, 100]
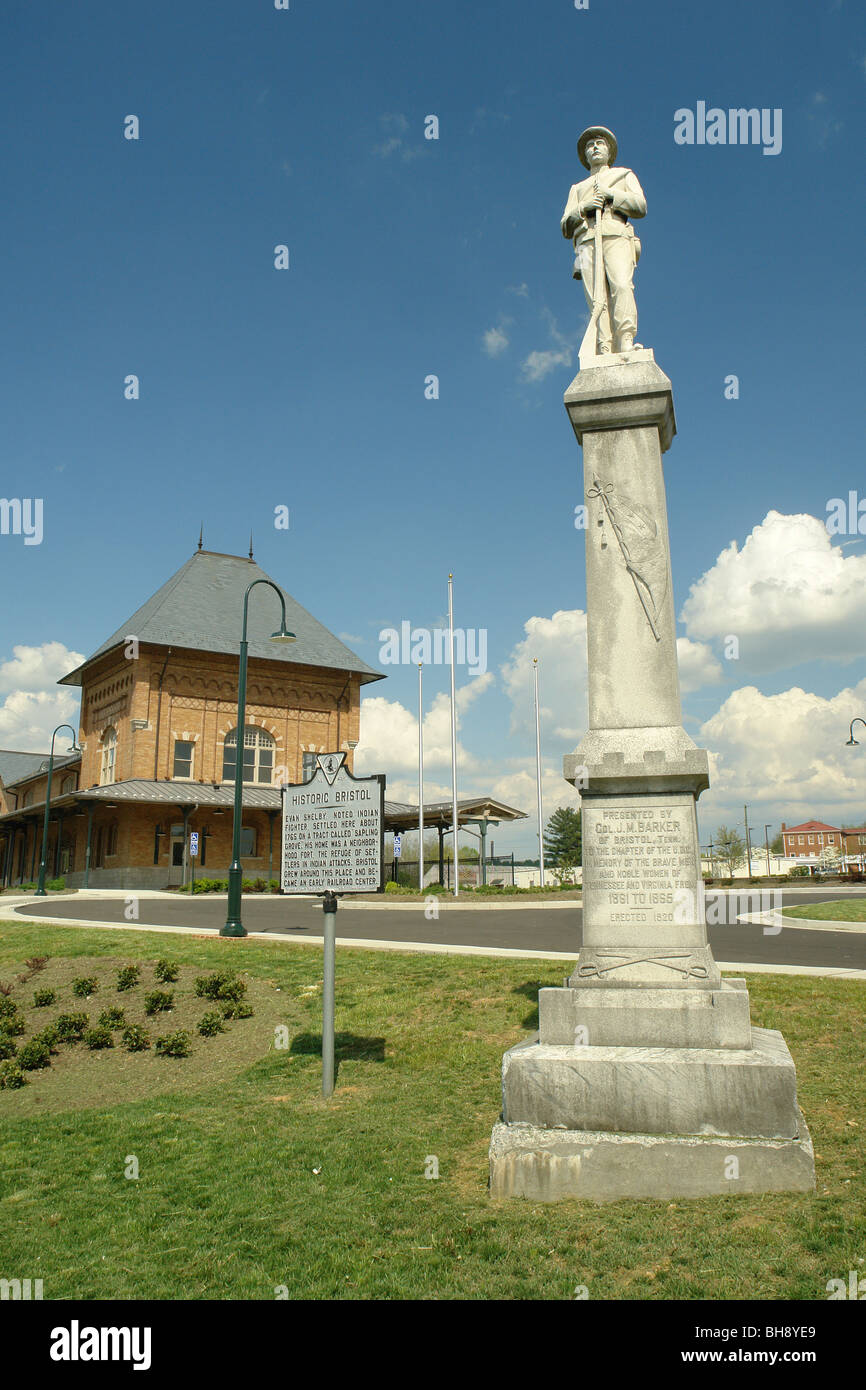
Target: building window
[811, 839]
[109, 750]
[27, 798]
[801, 840]
[258, 755]
[111, 840]
[183, 752]
[248, 842]
[308, 766]
[820, 839]
[98, 856]
[69, 784]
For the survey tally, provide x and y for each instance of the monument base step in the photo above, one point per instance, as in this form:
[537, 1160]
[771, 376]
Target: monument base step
[554, 1165]
[747, 1092]
[645, 1017]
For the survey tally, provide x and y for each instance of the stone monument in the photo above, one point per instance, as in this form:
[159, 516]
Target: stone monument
[646, 1078]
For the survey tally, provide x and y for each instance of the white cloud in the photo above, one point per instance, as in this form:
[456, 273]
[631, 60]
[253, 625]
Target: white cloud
[495, 342]
[560, 645]
[389, 733]
[786, 754]
[34, 706]
[789, 593]
[538, 365]
[697, 664]
[37, 668]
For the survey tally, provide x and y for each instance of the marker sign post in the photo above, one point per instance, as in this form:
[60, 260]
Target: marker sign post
[333, 842]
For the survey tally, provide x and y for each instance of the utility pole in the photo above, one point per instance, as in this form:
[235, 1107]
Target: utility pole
[767, 848]
[748, 845]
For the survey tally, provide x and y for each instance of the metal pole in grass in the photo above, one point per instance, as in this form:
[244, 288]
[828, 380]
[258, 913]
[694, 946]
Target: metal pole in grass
[330, 909]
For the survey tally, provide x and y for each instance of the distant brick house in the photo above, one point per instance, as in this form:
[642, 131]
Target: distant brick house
[809, 840]
[159, 737]
[813, 838]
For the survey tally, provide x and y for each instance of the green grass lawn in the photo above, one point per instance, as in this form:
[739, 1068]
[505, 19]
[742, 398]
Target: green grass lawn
[249, 1180]
[848, 910]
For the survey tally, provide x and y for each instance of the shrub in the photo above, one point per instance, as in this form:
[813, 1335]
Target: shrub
[49, 1036]
[85, 985]
[43, 997]
[127, 977]
[173, 1044]
[12, 1025]
[392, 887]
[210, 1023]
[7, 1047]
[274, 885]
[135, 1038]
[222, 984]
[56, 885]
[7, 1005]
[166, 970]
[238, 1009]
[11, 1076]
[96, 1038]
[71, 1027]
[158, 1001]
[111, 1018]
[34, 1055]
[36, 963]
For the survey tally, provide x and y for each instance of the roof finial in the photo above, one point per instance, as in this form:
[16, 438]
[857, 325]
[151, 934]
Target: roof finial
[251, 545]
[200, 535]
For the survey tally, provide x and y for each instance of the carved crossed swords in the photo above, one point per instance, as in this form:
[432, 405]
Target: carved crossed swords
[700, 971]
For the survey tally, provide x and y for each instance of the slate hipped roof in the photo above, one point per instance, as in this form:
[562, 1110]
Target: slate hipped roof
[201, 607]
[15, 766]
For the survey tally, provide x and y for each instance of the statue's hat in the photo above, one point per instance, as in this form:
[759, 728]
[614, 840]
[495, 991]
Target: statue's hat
[587, 134]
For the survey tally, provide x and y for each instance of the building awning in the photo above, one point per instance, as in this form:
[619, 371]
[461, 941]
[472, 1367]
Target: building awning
[205, 795]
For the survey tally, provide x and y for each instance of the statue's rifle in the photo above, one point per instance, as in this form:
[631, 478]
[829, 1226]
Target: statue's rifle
[588, 347]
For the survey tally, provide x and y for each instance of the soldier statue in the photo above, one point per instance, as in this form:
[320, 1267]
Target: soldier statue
[613, 195]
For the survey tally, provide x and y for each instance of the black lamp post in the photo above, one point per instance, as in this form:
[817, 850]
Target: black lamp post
[233, 925]
[852, 741]
[40, 887]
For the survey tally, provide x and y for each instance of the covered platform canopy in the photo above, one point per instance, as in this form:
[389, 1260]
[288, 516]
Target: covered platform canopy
[480, 811]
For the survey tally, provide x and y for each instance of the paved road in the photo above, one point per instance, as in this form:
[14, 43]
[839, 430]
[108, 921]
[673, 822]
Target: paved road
[531, 929]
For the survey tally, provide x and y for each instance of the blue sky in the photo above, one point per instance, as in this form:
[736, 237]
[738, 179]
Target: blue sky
[408, 257]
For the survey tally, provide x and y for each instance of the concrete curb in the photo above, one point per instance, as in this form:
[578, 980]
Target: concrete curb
[780, 922]
[432, 948]
[455, 905]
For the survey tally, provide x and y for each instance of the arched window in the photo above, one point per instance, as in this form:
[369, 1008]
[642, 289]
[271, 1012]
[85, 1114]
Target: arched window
[68, 784]
[258, 755]
[109, 750]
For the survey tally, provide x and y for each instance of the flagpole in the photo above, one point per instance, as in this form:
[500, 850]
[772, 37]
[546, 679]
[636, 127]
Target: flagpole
[453, 735]
[420, 782]
[538, 779]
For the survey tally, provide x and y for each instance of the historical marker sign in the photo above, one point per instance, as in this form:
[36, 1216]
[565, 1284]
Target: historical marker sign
[333, 831]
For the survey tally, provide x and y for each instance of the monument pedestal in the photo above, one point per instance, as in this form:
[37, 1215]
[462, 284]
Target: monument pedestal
[646, 1077]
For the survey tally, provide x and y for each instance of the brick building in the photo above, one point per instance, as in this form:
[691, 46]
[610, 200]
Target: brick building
[809, 840]
[159, 739]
